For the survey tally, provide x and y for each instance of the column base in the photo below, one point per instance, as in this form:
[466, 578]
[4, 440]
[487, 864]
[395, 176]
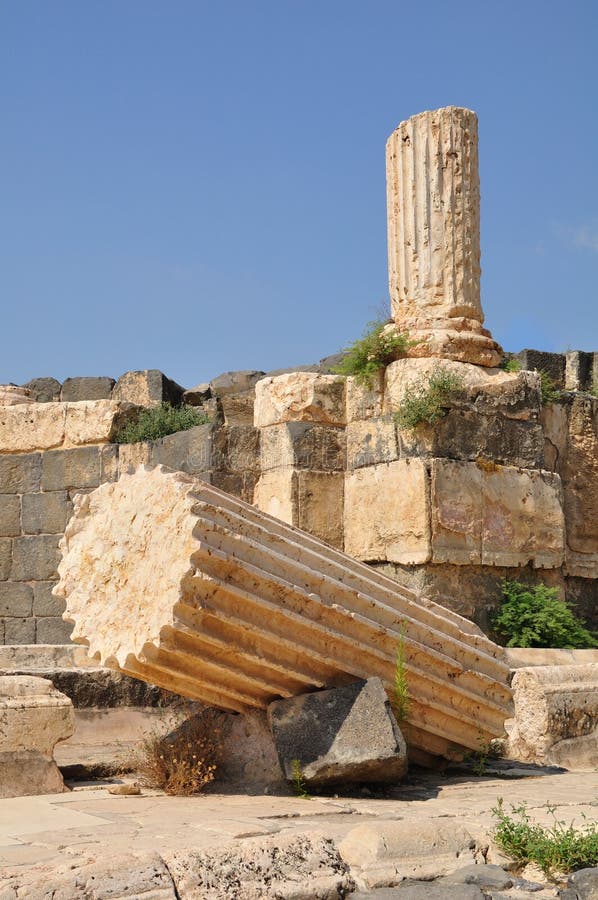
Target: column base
[461, 339]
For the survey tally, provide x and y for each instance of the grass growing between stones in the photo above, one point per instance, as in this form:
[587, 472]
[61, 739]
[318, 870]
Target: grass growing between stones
[428, 399]
[535, 616]
[185, 760]
[374, 351]
[159, 421]
[299, 781]
[401, 700]
[558, 848]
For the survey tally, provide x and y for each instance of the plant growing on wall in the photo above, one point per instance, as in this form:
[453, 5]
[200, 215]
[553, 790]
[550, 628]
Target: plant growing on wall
[428, 398]
[537, 617]
[401, 700]
[155, 423]
[365, 357]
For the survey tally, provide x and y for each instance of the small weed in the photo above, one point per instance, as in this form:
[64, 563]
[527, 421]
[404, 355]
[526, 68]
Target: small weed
[299, 781]
[157, 422]
[537, 617]
[548, 389]
[558, 848]
[183, 761]
[427, 399]
[511, 365]
[370, 354]
[401, 701]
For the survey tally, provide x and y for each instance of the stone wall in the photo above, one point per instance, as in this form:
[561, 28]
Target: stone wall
[500, 487]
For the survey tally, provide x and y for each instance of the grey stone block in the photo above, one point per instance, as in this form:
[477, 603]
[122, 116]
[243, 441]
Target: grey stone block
[148, 387]
[186, 451]
[10, 515]
[235, 382]
[77, 389]
[236, 448]
[44, 602]
[196, 396]
[20, 474]
[108, 463]
[423, 890]
[63, 470]
[16, 599]
[19, 631]
[585, 883]
[579, 373]
[35, 558]
[46, 513]
[486, 876]
[5, 558]
[551, 363]
[346, 734]
[303, 445]
[53, 631]
[44, 390]
[239, 484]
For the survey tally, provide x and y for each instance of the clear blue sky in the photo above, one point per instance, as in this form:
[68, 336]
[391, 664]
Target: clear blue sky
[199, 186]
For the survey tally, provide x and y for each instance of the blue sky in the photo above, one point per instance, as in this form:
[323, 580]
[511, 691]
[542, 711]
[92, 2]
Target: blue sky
[199, 186]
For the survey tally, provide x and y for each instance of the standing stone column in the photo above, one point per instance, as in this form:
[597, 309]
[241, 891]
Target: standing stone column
[433, 192]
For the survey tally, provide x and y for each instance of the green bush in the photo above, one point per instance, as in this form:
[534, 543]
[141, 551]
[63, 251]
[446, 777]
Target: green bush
[157, 422]
[401, 699]
[511, 365]
[537, 617]
[558, 848]
[427, 399]
[548, 390]
[376, 349]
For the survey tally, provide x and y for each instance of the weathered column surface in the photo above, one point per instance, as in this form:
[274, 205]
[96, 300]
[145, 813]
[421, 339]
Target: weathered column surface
[433, 194]
[180, 584]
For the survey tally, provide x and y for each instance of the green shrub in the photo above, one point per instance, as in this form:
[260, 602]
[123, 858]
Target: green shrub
[558, 848]
[428, 398]
[401, 699]
[157, 422]
[537, 617]
[548, 390]
[511, 365]
[376, 349]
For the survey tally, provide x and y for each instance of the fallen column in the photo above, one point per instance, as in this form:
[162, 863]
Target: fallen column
[177, 583]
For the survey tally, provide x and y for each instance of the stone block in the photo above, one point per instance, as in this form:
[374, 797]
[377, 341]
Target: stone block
[364, 402]
[16, 599]
[342, 735]
[80, 467]
[95, 421]
[556, 716]
[31, 426]
[302, 445]
[108, 462]
[582, 885]
[186, 451]
[75, 390]
[131, 456]
[148, 387]
[44, 390]
[10, 515]
[236, 448]
[46, 513]
[553, 364]
[239, 484]
[53, 630]
[20, 474]
[44, 602]
[5, 558]
[19, 631]
[371, 442]
[578, 370]
[35, 558]
[196, 396]
[300, 397]
[230, 383]
[237, 409]
[34, 717]
[495, 515]
[312, 501]
[387, 512]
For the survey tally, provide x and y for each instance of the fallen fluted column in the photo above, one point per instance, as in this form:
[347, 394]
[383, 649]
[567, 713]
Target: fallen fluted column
[182, 585]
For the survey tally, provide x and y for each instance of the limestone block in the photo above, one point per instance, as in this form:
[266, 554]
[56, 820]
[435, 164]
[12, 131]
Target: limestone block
[387, 512]
[34, 717]
[556, 716]
[31, 426]
[371, 441]
[310, 500]
[44, 390]
[302, 445]
[11, 395]
[75, 390]
[433, 241]
[554, 364]
[364, 402]
[300, 397]
[186, 587]
[46, 513]
[346, 734]
[10, 515]
[495, 515]
[95, 421]
[148, 387]
[132, 456]
[20, 473]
